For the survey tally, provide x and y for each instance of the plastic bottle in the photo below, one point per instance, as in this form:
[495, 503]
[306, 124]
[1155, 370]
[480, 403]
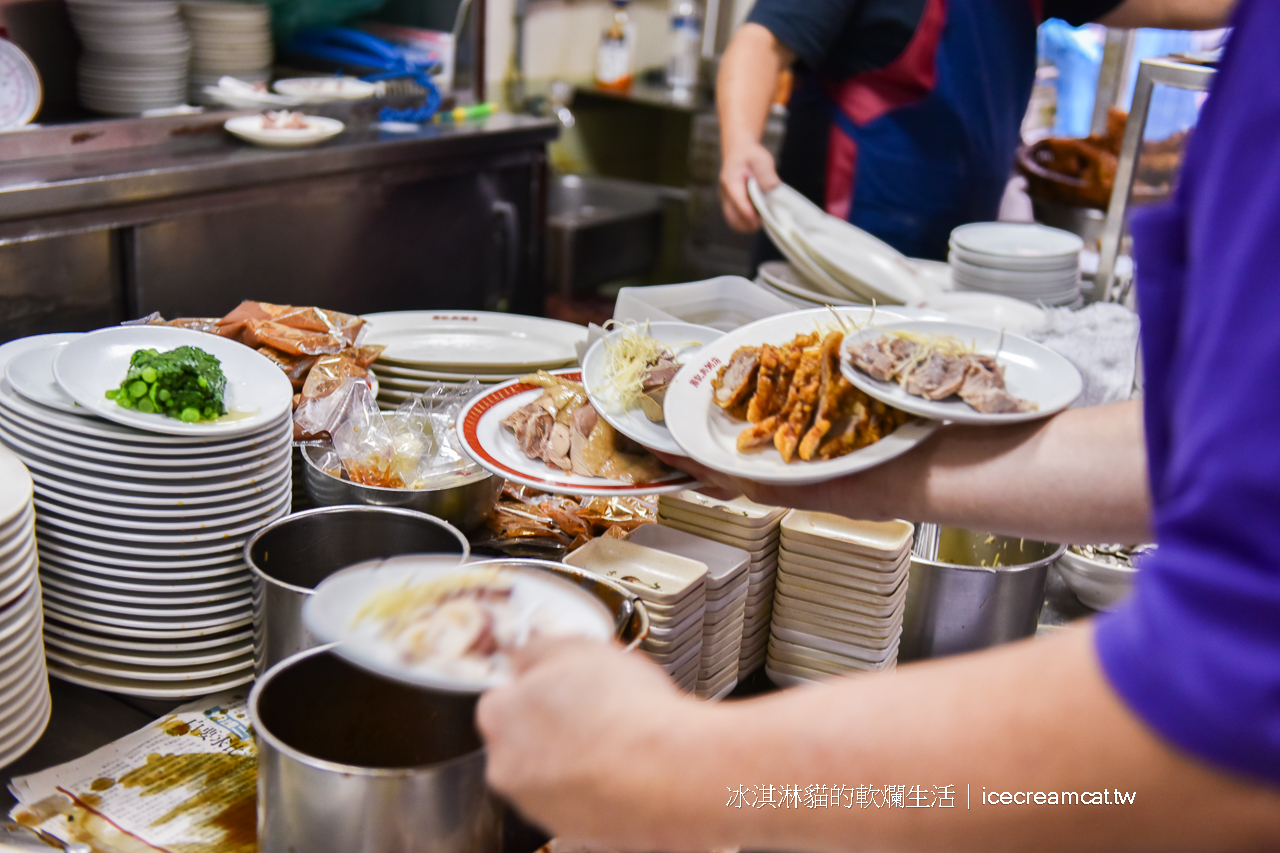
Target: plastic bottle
[685, 45]
[614, 60]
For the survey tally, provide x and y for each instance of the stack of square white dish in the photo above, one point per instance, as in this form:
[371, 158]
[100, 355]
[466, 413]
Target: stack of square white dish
[741, 524]
[24, 683]
[841, 592]
[727, 586]
[674, 592]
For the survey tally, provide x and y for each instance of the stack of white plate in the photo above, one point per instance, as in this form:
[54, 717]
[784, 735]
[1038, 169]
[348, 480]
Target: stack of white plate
[135, 54]
[1033, 263]
[24, 683]
[834, 258]
[230, 39]
[424, 348]
[741, 524]
[842, 588]
[727, 586]
[146, 591]
[674, 592]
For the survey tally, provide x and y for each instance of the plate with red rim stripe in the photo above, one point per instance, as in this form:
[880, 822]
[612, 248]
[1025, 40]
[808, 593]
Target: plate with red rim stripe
[493, 446]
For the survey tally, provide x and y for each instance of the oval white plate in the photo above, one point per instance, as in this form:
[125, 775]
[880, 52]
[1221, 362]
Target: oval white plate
[258, 394]
[330, 615]
[709, 435]
[1016, 240]
[456, 342]
[873, 274]
[1032, 371]
[632, 422]
[149, 689]
[318, 89]
[783, 276]
[250, 129]
[159, 671]
[31, 375]
[217, 653]
[143, 523]
[494, 448]
[779, 230]
[989, 310]
[55, 482]
[209, 640]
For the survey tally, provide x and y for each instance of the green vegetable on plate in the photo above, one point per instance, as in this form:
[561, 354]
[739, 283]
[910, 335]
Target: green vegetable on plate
[186, 383]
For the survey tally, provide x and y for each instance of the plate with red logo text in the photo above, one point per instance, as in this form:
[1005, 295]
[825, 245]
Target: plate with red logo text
[494, 447]
[480, 342]
[709, 434]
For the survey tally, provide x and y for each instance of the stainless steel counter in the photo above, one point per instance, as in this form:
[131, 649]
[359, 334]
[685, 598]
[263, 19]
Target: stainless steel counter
[107, 220]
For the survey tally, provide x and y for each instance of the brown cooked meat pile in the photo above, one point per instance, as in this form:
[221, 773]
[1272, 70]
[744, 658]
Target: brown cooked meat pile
[795, 397]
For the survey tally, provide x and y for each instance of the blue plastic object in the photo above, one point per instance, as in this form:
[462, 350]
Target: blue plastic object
[353, 47]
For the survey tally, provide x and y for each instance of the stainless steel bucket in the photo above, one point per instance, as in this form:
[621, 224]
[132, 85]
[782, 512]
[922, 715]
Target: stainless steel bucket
[982, 590]
[290, 557]
[352, 763]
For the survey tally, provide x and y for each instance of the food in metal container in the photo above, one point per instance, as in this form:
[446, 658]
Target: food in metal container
[936, 367]
[1124, 556]
[184, 383]
[795, 397]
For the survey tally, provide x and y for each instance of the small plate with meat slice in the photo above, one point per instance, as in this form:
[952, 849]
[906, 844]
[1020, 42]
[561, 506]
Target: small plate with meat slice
[768, 402]
[960, 373]
[542, 431]
[627, 372]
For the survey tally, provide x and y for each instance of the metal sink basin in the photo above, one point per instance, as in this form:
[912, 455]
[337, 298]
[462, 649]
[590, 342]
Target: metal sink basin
[600, 230]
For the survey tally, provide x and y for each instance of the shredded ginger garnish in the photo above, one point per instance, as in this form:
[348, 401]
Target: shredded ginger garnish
[628, 358]
[397, 606]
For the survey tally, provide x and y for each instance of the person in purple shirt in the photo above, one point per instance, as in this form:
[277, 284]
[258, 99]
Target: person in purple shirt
[1162, 717]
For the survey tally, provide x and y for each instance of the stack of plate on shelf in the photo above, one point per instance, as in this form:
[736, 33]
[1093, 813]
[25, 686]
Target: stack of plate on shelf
[727, 586]
[674, 592]
[230, 39]
[425, 348]
[1033, 263]
[842, 588]
[741, 524]
[135, 54]
[146, 591]
[834, 258]
[24, 683]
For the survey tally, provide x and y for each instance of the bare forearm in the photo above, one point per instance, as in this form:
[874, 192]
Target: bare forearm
[1036, 716]
[1170, 14]
[746, 84]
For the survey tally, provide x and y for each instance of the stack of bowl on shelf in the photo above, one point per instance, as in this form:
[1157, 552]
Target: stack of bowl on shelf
[24, 683]
[841, 592]
[741, 524]
[141, 532]
[674, 592]
[1033, 263]
[135, 55]
[426, 348]
[727, 586]
[229, 39]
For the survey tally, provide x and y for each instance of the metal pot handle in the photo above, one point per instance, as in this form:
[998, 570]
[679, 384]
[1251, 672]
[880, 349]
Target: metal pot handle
[640, 616]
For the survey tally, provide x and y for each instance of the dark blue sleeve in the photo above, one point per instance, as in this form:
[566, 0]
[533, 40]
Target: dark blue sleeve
[1078, 12]
[1196, 651]
[808, 27]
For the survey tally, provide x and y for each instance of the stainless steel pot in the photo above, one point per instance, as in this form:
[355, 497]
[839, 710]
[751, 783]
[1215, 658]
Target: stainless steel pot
[352, 763]
[980, 591]
[465, 504]
[290, 557]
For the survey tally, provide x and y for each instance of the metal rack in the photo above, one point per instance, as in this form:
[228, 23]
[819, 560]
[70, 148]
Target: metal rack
[1165, 71]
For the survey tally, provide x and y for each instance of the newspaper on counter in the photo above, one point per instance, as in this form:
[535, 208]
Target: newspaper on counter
[184, 784]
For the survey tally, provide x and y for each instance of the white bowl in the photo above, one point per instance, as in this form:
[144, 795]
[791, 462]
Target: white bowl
[1101, 586]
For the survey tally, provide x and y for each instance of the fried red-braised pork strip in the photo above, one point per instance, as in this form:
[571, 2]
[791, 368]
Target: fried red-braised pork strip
[834, 393]
[801, 402]
[736, 379]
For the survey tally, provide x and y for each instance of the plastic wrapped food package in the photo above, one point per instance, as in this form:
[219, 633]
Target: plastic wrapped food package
[530, 523]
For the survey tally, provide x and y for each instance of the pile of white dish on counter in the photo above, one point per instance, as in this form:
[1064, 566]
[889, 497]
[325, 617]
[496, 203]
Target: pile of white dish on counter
[841, 592]
[1033, 263]
[146, 591]
[740, 524]
[231, 39]
[24, 683]
[135, 55]
[425, 348]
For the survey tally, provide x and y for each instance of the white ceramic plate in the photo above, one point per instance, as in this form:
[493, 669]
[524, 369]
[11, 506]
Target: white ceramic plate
[137, 522]
[212, 610]
[258, 393]
[160, 596]
[873, 275]
[1016, 240]
[989, 310]
[119, 488]
[330, 615]
[780, 232]
[150, 689]
[156, 628]
[174, 567]
[31, 375]
[15, 486]
[1032, 371]
[782, 275]
[162, 671]
[318, 89]
[494, 447]
[686, 340]
[57, 484]
[709, 435]
[165, 645]
[251, 129]
[457, 342]
[192, 658]
[108, 577]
